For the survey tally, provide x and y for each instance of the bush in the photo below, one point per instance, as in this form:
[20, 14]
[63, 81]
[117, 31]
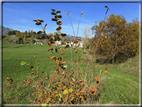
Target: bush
[3, 36]
[33, 41]
[37, 37]
[20, 41]
[12, 39]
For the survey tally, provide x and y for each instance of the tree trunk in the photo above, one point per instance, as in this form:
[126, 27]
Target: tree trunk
[113, 59]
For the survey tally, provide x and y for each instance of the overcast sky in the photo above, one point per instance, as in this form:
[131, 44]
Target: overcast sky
[19, 16]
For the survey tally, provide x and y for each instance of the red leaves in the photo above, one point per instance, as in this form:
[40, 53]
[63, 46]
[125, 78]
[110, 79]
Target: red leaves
[56, 67]
[50, 49]
[97, 80]
[56, 60]
[93, 90]
[37, 74]
[63, 51]
[58, 72]
[63, 62]
[105, 70]
[51, 43]
[73, 74]
[81, 82]
[53, 57]
[56, 50]
[9, 79]
[41, 82]
[76, 51]
[46, 78]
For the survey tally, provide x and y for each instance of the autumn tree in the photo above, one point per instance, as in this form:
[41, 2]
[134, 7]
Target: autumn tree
[19, 34]
[117, 37]
[56, 36]
[13, 32]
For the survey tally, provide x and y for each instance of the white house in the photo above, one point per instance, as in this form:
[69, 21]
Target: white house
[80, 43]
[38, 43]
[58, 43]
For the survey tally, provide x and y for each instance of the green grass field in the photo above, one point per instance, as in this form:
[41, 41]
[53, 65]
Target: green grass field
[120, 85]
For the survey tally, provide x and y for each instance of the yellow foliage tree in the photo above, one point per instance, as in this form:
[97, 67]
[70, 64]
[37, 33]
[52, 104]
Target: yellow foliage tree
[117, 37]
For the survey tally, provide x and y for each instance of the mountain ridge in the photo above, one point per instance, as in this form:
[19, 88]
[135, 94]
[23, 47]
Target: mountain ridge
[5, 30]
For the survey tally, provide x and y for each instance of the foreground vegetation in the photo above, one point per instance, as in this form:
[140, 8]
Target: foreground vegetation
[51, 74]
[117, 86]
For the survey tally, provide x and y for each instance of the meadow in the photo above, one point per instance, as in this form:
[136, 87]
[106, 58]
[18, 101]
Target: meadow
[120, 85]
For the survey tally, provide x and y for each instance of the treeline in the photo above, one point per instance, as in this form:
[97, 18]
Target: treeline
[118, 40]
[23, 37]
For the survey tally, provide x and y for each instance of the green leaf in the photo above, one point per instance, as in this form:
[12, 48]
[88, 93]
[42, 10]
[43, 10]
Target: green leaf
[32, 69]
[65, 92]
[48, 99]
[59, 95]
[66, 98]
[73, 79]
[60, 37]
[44, 26]
[23, 63]
[40, 95]
[71, 90]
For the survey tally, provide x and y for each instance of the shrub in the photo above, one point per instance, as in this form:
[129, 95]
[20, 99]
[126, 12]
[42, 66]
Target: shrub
[20, 41]
[33, 41]
[37, 37]
[3, 36]
[12, 40]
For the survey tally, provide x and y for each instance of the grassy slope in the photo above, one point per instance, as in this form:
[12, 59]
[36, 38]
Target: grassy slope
[115, 86]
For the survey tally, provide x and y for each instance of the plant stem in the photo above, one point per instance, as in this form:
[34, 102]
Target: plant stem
[93, 60]
[74, 37]
[72, 26]
[78, 25]
[36, 65]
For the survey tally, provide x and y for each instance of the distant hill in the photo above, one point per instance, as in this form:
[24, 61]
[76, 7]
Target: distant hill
[72, 37]
[68, 36]
[6, 30]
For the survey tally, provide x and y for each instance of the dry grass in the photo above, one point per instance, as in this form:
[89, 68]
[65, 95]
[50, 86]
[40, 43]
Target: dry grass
[131, 66]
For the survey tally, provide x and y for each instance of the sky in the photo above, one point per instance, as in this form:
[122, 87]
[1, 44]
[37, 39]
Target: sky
[19, 16]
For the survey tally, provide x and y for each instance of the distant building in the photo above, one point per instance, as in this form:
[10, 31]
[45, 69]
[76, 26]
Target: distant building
[80, 43]
[58, 43]
[38, 43]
